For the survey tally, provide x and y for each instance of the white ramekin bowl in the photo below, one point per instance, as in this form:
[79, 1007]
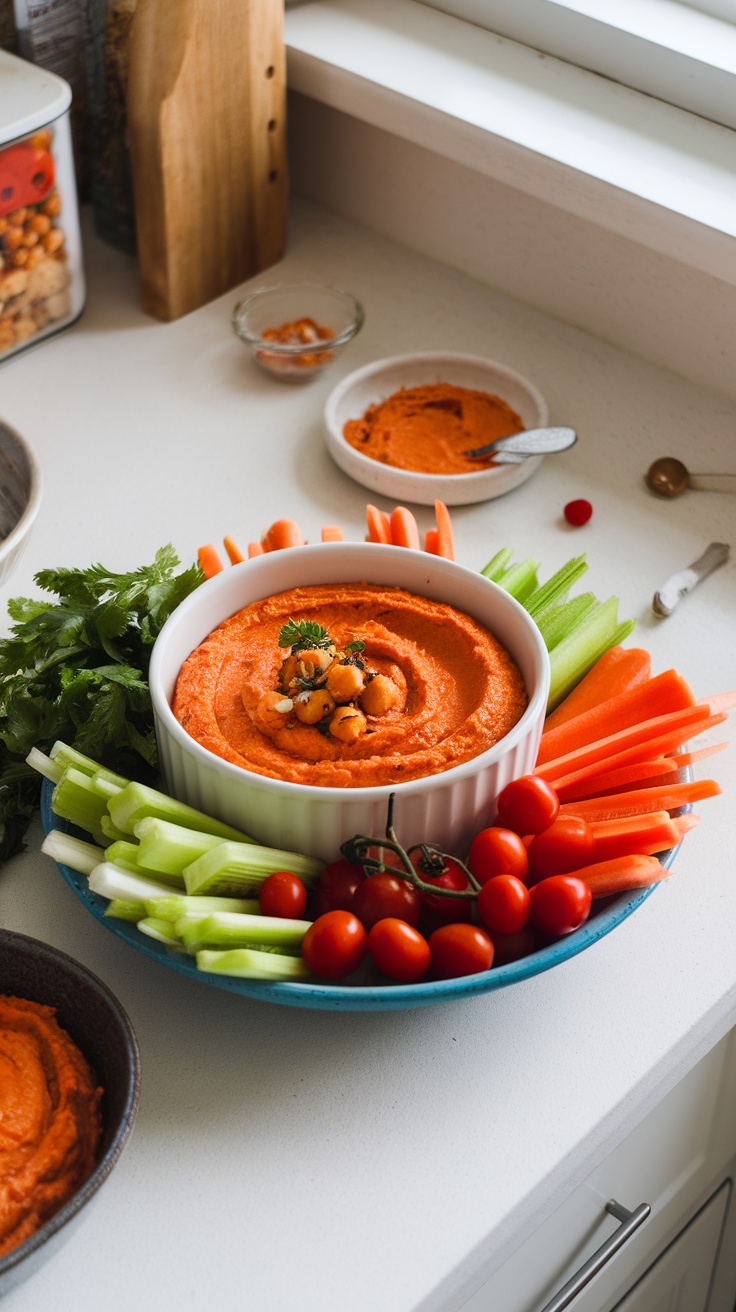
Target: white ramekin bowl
[445, 808]
[375, 382]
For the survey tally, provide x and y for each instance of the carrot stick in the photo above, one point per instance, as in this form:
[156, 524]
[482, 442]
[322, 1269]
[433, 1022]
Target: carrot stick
[621, 874]
[404, 531]
[642, 835]
[691, 758]
[379, 525]
[640, 800]
[282, 533]
[235, 555]
[431, 541]
[332, 533]
[638, 741]
[723, 701]
[589, 761]
[445, 540]
[619, 669]
[660, 769]
[255, 549]
[658, 696]
[209, 561]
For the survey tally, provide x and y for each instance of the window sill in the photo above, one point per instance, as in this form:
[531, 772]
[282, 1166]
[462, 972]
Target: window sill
[658, 175]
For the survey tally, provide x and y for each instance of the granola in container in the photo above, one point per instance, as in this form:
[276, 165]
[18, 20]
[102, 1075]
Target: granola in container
[41, 275]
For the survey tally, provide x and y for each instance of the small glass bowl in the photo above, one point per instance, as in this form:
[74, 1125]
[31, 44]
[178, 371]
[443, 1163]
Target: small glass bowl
[319, 310]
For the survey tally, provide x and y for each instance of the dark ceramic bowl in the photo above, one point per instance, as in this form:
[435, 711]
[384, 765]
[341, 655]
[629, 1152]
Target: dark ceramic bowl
[87, 1010]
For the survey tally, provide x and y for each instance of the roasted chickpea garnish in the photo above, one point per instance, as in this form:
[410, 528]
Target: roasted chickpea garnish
[273, 709]
[345, 681]
[315, 661]
[322, 687]
[379, 695]
[347, 724]
[313, 707]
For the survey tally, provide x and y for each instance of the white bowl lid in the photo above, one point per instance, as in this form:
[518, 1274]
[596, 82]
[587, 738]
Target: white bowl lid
[30, 97]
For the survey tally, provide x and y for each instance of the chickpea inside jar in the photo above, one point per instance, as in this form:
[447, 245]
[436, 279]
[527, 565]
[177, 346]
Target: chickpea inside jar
[334, 691]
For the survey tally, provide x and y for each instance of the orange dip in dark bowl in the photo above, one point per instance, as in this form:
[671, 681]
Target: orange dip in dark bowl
[50, 1118]
[426, 429]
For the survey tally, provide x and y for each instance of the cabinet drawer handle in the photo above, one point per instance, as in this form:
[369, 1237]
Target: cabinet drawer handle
[630, 1221]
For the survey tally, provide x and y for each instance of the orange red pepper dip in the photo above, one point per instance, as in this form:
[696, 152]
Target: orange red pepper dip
[50, 1121]
[427, 428]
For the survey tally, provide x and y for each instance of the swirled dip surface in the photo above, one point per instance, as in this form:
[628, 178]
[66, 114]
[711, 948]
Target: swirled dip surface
[428, 428]
[50, 1122]
[460, 691]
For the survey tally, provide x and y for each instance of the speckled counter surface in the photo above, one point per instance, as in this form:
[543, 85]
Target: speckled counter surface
[286, 1159]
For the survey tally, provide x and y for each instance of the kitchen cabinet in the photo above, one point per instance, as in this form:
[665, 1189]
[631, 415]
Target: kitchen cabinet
[680, 1280]
[680, 1160]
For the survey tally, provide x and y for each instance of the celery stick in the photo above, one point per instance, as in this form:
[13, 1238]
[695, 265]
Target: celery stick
[113, 882]
[230, 929]
[557, 621]
[496, 566]
[71, 851]
[168, 848]
[556, 588]
[40, 761]
[120, 910]
[237, 869]
[136, 801]
[127, 854]
[111, 831]
[74, 799]
[160, 930]
[579, 651]
[104, 786]
[247, 964]
[178, 906]
[66, 756]
[520, 580]
[123, 853]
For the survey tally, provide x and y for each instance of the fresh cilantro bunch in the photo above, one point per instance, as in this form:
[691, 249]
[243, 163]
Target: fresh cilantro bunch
[76, 668]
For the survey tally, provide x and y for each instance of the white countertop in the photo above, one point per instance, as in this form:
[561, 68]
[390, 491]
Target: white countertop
[286, 1159]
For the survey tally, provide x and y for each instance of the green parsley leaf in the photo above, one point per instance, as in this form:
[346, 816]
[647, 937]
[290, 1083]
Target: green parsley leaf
[302, 634]
[356, 646]
[76, 668]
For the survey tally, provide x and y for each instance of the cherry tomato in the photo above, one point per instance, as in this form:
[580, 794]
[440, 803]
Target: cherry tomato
[459, 950]
[399, 950]
[385, 895]
[433, 869]
[578, 512]
[336, 886]
[512, 947]
[335, 944]
[282, 894]
[559, 905]
[497, 851]
[567, 845]
[527, 805]
[503, 904]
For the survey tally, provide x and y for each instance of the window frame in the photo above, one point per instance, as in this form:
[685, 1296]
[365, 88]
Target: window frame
[668, 49]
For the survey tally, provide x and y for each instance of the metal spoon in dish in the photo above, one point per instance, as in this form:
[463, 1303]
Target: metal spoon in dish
[530, 442]
[668, 477]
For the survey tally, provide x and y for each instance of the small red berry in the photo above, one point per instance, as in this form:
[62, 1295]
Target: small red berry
[578, 512]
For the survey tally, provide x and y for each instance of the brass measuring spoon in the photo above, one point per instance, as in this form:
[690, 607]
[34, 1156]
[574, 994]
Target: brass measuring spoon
[668, 477]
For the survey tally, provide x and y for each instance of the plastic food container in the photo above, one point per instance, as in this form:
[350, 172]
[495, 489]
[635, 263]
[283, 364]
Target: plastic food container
[42, 287]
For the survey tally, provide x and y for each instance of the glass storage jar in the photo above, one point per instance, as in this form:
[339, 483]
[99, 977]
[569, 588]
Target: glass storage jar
[42, 287]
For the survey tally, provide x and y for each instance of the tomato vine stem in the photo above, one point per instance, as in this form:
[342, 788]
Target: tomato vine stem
[355, 850]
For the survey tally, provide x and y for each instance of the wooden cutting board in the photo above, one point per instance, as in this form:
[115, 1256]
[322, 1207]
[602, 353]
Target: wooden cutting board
[206, 116]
